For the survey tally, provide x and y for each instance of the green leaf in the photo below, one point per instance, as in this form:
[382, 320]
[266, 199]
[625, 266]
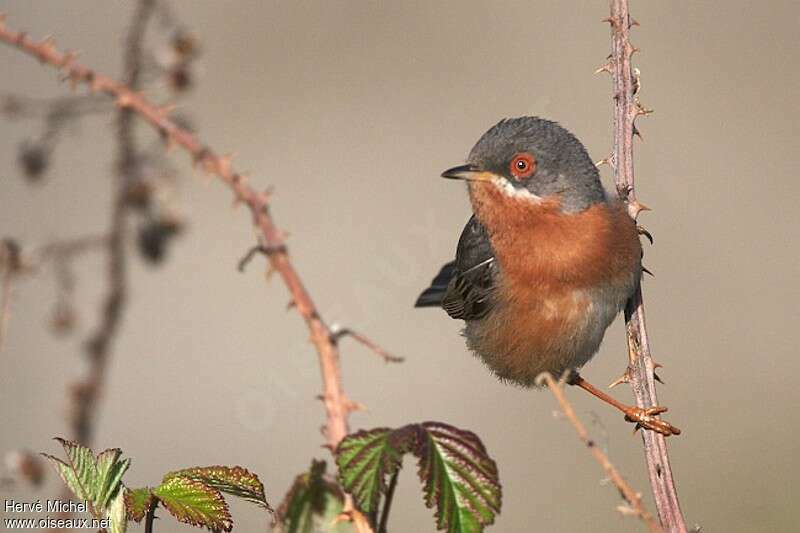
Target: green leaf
[97, 480]
[117, 515]
[109, 476]
[366, 458]
[79, 472]
[312, 505]
[193, 502]
[459, 477]
[236, 481]
[138, 502]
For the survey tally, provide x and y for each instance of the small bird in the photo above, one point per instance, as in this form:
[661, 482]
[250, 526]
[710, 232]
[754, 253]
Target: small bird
[546, 262]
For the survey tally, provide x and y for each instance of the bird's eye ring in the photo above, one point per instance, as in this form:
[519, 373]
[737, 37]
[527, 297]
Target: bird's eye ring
[522, 166]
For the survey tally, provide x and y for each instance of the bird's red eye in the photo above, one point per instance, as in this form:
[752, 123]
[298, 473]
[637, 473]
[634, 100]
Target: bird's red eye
[523, 166]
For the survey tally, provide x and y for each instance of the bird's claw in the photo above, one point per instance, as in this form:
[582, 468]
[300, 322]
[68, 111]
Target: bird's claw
[643, 231]
[646, 418]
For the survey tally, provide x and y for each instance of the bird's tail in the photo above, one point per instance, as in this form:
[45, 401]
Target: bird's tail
[433, 295]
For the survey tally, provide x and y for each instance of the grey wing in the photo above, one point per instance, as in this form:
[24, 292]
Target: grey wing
[469, 293]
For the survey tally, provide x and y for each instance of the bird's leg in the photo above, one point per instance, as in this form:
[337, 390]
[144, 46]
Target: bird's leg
[642, 417]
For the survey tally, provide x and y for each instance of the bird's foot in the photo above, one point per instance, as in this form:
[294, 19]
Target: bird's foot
[647, 418]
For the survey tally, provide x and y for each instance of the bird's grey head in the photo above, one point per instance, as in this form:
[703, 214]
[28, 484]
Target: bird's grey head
[541, 157]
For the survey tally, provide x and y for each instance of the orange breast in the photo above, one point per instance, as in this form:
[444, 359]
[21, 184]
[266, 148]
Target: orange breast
[551, 265]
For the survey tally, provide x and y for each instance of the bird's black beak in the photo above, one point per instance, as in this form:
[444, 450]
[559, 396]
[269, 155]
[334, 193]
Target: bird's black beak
[463, 172]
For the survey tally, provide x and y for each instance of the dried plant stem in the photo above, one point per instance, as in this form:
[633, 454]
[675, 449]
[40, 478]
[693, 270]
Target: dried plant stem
[633, 498]
[336, 403]
[86, 393]
[640, 372]
[6, 277]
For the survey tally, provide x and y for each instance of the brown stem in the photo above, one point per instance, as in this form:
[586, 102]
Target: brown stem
[640, 371]
[387, 502]
[633, 498]
[6, 277]
[85, 394]
[150, 517]
[336, 404]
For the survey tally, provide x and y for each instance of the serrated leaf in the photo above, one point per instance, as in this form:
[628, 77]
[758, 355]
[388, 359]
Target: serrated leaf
[460, 478]
[82, 463]
[109, 476]
[193, 502]
[117, 515]
[366, 458]
[79, 472]
[96, 480]
[236, 481]
[138, 502]
[312, 505]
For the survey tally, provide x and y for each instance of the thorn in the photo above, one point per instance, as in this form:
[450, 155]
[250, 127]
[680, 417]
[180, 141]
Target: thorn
[124, 100]
[200, 157]
[47, 47]
[169, 142]
[224, 164]
[637, 133]
[624, 378]
[642, 111]
[291, 305]
[265, 196]
[94, 85]
[352, 406]
[251, 253]
[166, 110]
[604, 68]
[633, 22]
[626, 510]
[68, 57]
[657, 378]
[609, 20]
[606, 161]
[657, 365]
[646, 270]
[637, 207]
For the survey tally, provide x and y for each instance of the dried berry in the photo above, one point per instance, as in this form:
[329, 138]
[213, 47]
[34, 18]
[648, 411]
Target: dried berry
[64, 318]
[155, 235]
[33, 157]
[180, 77]
[10, 254]
[25, 466]
[139, 194]
[185, 44]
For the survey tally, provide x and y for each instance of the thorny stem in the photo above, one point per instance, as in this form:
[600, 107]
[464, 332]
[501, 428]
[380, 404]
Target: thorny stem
[337, 406]
[633, 498]
[640, 371]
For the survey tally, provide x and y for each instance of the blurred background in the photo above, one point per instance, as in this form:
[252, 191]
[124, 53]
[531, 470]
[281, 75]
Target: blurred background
[351, 110]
